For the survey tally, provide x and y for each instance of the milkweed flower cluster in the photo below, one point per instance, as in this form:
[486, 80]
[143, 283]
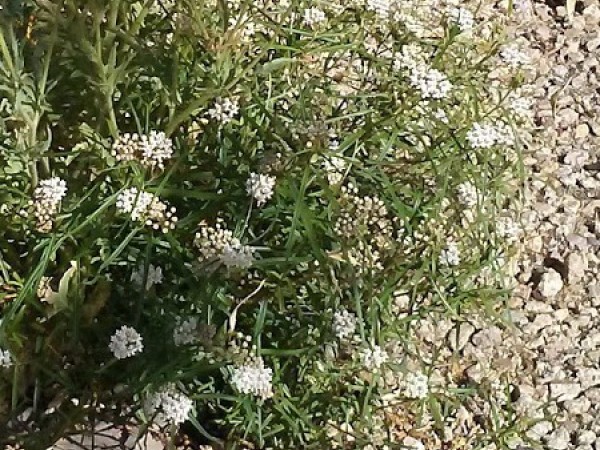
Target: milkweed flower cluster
[430, 82]
[373, 357]
[147, 208]
[252, 377]
[46, 202]
[219, 243]
[344, 324]
[314, 17]
[467, 194]
[450, 255]
[125, 343]
[151, 150]
[416, 385]
[169, 405]
[224, 110]
[186, 331]
[6, 360]
[514, 56]
[260, 187]
[487, 135]
[463, 18]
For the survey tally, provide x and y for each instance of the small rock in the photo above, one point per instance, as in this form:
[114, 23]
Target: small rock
[564, 391]
[413, 443]
[459, 336]
[539, 430]
[578, 406]
[577, 266]
[586, 437]
[551, 284]
[588, 377]
[559, 440]
[561, 314]
[538, 307]
[582, 131]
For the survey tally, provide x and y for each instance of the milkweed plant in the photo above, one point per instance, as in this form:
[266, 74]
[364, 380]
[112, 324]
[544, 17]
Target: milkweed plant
[234, 217]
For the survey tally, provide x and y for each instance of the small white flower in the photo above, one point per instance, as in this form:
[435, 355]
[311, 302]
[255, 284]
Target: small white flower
[463, 18]
[410, 57]
[155, 276]
[186, 331]
[467, 194]
[46, 201]
[237, 255]
[253, 378]
[431, 82]
[314, 16]
[450, 256]
[169, 405]
[514, 56]
[151, 150]
[381, 7]
[441, 115]
[416, 385]
[6, 359]
[260, 187]
[147, 208]
[373, 358]
[335, 167]
[344, 324]
[218, 242]
[481, 136]
[520, 105]
[224, 110]
[507, 228]
[486, 135]
[126, 342]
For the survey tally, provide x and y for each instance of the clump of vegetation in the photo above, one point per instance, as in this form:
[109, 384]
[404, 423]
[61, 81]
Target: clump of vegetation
[233, 215]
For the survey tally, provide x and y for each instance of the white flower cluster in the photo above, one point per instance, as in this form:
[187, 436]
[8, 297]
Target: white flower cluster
[46, 202]
[467, 194]
[410, 57]
[147, 208]
[450, 256]
[520, 105]
[344, 324]
[155, 276]
[463, 18]
[186, 331]
[335, 167]
[260, 187]
[431, 82]
[362, 215]
[416, 385]
[151, 150]
[314, 17]
[252, 377]
[507, 228]
[224, 110]
[6, 359]
[514, 56]
[218, 242]
[373, 358]
[486, 135]
[169, 405]
[125, 343]
[381, 7]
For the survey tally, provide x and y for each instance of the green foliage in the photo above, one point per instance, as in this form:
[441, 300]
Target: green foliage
[367, 171]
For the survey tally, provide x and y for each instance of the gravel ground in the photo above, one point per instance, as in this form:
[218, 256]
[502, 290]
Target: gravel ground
[556, 341]
[552, 353]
